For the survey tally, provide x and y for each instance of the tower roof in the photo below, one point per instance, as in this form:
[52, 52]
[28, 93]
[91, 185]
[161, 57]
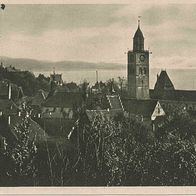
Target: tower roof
[138, 40]
[163, 82]
[138, 33]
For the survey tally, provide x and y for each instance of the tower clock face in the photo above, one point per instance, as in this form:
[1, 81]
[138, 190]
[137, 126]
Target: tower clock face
[142, 58]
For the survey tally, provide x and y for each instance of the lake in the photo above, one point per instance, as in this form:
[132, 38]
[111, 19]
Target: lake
[181, 78]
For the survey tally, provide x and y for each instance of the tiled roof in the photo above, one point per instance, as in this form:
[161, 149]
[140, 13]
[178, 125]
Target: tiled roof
[64, 99]
[163, 82]
[164, 90]
[139, 107]
[115, 102]
[175, 95]
[182, 95]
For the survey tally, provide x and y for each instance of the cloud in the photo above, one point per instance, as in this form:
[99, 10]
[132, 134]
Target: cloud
[92, 44]
[100, 32]
[36, 19]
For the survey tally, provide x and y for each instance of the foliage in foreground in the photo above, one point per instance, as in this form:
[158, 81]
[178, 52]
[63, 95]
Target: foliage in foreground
[17, 158]
[111, 153]
[126, 153]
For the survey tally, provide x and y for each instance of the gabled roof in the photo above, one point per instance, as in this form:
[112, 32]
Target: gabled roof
[139, 107]
[115, 102]
[64, 99]
[158, 111]
[163, 82]
[39, 98]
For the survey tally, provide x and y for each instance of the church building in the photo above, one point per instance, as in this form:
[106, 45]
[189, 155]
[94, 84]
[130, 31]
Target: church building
[151, 103]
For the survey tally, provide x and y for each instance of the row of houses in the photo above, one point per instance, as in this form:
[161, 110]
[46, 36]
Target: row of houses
[55, 115]
[13, 113]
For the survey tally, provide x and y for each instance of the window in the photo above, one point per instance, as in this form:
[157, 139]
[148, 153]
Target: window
[140, 70]
[190, 108]
[144, 70]
[131, 70]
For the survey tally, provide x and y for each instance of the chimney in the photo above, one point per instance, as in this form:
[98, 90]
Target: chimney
[9, 90]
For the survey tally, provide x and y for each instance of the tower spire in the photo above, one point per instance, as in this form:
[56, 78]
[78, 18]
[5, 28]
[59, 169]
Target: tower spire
[138, 39]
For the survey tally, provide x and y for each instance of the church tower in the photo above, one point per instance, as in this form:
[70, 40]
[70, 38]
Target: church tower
[138, 68]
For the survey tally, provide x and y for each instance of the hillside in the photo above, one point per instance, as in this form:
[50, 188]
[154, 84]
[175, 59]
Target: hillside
[44, 66]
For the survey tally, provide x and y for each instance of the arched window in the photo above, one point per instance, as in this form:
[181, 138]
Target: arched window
[144, 70]
[140, 70]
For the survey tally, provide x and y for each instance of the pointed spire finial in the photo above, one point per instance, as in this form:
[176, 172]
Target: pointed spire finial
[139, 17]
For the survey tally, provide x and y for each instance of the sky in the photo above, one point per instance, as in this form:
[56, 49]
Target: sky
[99, 32]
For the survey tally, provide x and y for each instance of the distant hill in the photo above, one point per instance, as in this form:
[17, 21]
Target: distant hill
[38, 65]
[71, 70]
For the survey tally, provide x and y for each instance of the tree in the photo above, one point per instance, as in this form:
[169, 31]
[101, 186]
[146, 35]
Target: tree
[84, 87]
[163, 163]
[177, 122]
[18, 158]
[105, 146]
[43, 82]
[125, 152]
[72, 86]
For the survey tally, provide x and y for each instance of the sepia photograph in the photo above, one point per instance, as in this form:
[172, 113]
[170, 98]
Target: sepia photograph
[97, 95]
